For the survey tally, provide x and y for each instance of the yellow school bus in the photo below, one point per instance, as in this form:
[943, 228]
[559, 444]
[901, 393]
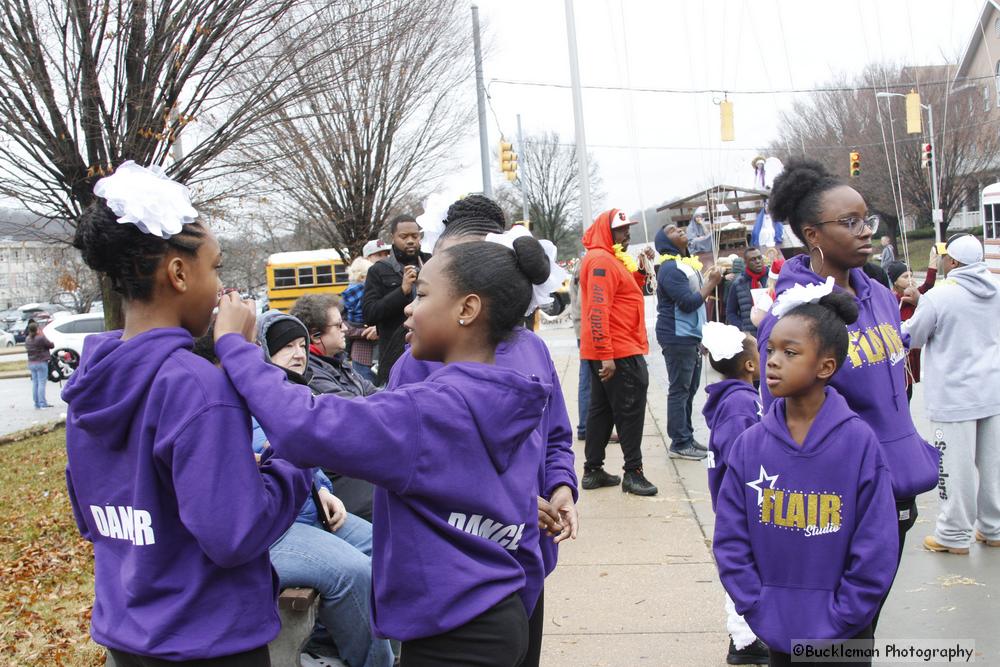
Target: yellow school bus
[292, 274]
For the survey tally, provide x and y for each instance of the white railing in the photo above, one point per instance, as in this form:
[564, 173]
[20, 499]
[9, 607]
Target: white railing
[966, 220]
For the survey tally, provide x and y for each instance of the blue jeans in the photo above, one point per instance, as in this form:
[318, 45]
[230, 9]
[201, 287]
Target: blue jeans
[339, 567]
[583, 397]
[684, 374]
[39, 376]
[364, 371]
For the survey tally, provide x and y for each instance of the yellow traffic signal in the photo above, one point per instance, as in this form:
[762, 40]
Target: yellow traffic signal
[728, 131]
[508, 160]
[855, 164]
[913, 113]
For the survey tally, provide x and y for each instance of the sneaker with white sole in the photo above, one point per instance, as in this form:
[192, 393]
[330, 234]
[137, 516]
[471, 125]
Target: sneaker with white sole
[687, 452]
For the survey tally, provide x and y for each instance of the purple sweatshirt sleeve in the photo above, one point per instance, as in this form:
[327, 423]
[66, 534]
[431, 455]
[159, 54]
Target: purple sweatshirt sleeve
[369, 438]
[559, 457]
[727, 430]
[731, 543]
[230, 530]
[75, 504]
[871, 560]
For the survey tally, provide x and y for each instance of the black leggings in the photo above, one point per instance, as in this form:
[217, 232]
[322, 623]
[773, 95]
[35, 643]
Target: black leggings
[258, 657]
[536, 625]
[906, 514]
[496, 638]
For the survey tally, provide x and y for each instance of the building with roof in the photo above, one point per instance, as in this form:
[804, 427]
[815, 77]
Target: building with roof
[32, 251]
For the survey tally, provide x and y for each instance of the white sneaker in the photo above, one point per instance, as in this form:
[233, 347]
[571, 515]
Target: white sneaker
[312, 660]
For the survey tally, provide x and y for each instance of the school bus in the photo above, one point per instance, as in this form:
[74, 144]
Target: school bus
[292, 274]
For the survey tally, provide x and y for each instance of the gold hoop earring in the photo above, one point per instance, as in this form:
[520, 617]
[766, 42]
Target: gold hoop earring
[822, 259]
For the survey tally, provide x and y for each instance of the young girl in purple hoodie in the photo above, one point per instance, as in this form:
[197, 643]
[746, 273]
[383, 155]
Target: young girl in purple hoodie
[804, 534]
[455, 458]
[833, 221]
[158, 448]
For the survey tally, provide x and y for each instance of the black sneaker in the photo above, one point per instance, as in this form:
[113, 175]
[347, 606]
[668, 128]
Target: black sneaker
[753, 654]
[636, 483]
[698, 445]
[595, 479]
[687, 452]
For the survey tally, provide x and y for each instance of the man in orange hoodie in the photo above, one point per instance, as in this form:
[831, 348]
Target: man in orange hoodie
[613, 343]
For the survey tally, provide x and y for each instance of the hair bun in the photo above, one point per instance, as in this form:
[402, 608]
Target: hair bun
[798, 179]
[531, 259]
[95, 238]
[842, 305]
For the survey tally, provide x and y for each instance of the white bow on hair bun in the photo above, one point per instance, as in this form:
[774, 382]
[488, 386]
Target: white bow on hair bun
[541, 295]
[800, 294]
[147, 198]
[723, 341]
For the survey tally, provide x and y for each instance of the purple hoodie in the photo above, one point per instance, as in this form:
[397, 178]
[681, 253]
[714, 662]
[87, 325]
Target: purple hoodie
[162, 481]
[732, 407]
[455, 462]
[805, 537]
[872, 380]
[527, 354]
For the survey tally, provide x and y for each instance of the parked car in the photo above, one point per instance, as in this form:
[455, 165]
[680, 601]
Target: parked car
[7, 339]
[68, 331]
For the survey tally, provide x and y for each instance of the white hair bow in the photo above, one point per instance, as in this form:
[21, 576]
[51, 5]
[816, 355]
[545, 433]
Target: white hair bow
[723, 341]
[147, 198]
[541, 295]
[800, 294]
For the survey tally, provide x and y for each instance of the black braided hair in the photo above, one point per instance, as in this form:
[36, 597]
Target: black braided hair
[474, 215]
[124, 253]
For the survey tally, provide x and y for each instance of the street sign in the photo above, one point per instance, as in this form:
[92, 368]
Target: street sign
[938, 216]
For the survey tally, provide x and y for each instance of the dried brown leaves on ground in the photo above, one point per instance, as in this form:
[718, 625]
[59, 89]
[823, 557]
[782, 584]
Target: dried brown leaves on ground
[46, 568]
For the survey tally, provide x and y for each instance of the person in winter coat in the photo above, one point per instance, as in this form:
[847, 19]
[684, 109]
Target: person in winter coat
[902, 280]
[732, 407]
[328, 548]
[361, 340]
[804, 536]
[958, 325]
[158, 448]
[38, 347]
[739, 300]
[613, 343]
[681, 292]
[455, 457]
[832, 219]
[389, 288]
[471, 219]
[330, 372]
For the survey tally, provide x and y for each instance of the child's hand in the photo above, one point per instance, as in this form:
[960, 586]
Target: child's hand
[548, 518]
[236, 316]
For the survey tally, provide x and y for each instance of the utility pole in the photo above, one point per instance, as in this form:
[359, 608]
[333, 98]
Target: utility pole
[520, 177]
[581, 136]
[936, 215]
[484, 151]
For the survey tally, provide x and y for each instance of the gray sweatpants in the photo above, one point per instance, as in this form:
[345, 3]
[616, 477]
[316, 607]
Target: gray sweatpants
[969, 480]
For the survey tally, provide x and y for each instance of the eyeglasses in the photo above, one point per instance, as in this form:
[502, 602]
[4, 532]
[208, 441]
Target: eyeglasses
[855, 224]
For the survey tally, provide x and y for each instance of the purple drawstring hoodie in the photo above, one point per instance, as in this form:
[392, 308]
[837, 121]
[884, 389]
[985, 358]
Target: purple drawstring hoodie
[158, 444]
[872, 379]
[527, 354]
[732, 407]
[454, 460]
[805, 536]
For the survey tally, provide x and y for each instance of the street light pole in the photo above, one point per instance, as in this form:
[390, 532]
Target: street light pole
[484, 151]
[581, 135]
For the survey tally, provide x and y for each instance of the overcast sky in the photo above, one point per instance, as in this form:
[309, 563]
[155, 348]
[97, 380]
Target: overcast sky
[729, 44]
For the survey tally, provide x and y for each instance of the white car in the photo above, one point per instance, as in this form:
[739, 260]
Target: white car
[68, 331]
[6, 338]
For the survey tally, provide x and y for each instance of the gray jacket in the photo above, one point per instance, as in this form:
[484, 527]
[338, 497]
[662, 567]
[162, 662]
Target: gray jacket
[957, 324]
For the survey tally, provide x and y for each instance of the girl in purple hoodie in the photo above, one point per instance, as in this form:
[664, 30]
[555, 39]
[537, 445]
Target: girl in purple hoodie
[833, 221]
[455, 458]
[158, 445]
[804, 537]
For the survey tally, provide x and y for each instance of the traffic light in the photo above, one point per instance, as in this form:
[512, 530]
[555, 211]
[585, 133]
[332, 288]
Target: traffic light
[855, 164]
[913, 113]
[727, 132]
[927, 155]
[508, 160]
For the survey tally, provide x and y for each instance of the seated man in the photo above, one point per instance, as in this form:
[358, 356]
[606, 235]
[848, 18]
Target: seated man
[330, 372]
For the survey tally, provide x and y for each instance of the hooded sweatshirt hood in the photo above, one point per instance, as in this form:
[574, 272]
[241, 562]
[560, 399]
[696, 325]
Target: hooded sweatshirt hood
[732, 407]
[104, 399]
[664, 245]
[958, 326]
[680, 308]
[424, 446]
[806, 536]
[269, 320]
[598, 236]
[872, 378]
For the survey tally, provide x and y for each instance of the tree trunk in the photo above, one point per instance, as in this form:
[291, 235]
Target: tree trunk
[114, 315]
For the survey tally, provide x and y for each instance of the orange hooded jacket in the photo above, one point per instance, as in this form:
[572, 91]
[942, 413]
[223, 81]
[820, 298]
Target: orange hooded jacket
[613, 317]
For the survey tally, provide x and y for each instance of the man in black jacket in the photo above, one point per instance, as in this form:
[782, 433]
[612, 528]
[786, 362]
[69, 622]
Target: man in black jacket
[389, 288]
[739, 301]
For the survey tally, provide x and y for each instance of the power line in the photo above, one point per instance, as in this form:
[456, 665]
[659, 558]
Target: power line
[705, 91]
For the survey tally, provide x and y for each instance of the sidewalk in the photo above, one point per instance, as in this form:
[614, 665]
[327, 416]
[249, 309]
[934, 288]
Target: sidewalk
[17, 411]
[639, 586]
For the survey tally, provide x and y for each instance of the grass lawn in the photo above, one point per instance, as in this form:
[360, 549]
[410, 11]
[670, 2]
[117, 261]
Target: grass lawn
[10, 366]
[46, 568]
